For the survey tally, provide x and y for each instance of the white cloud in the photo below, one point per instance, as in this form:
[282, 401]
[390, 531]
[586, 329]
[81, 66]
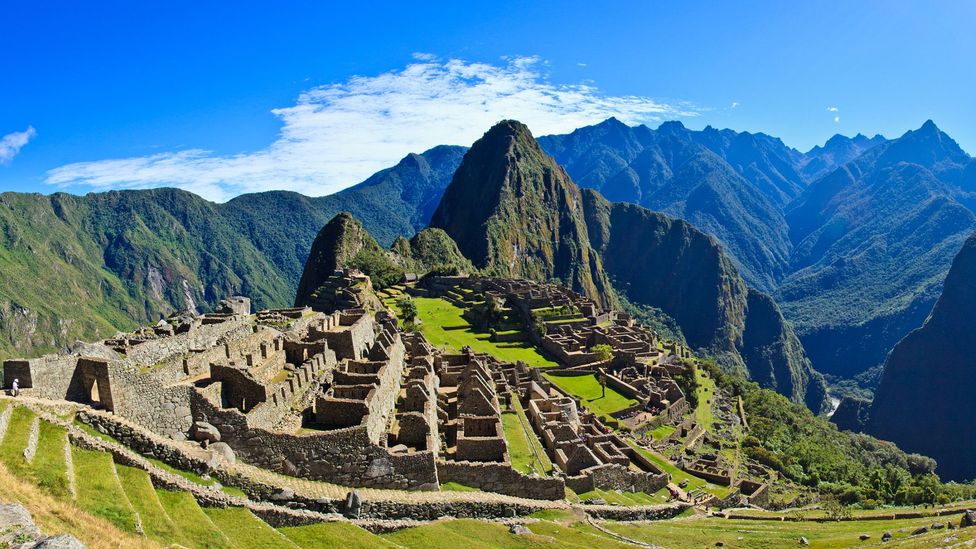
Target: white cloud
[735, 105]
[581, 64]
[837, 119]
[833, 109]
[339, 134]
[11, 143]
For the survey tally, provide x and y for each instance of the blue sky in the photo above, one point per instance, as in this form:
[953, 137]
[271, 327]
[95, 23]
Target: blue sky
[223, 98]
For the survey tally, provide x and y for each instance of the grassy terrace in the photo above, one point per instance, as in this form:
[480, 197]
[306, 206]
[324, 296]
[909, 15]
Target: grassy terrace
[524, 449]
[707, 532]
[442, 325]
[706, 390]
[589, 391]
[677, 475]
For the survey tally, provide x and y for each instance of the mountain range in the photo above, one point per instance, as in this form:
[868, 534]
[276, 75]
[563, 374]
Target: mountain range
[852, 239]
[924, 403]
[513, 211]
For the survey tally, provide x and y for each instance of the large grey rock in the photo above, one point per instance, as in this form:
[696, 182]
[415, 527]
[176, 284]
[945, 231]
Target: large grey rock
[519, 529]
[61, 541]
[234, 305]
[224, 450]
[16, 523]
[968, 519]
[203, 431]
[284, 494]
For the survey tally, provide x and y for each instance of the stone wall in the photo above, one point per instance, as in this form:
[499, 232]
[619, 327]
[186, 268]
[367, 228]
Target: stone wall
[343, 456]
[198, 339]
[50, 376]
[496, 477]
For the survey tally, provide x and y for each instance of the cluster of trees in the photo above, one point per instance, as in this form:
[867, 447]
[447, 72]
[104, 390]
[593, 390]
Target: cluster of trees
[852, 467]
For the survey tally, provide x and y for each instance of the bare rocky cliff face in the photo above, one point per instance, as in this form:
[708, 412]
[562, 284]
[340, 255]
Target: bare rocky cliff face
[514, 212]
[925, 402]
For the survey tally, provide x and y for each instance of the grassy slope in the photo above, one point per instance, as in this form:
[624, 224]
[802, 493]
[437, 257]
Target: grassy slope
[99, 491]
[328, 535]
[155, 522]
[191, 521]
[246, 530]
[15, 440]
[706, 532]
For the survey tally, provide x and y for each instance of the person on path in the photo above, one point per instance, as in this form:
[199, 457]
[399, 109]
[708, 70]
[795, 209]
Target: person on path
[15, 388]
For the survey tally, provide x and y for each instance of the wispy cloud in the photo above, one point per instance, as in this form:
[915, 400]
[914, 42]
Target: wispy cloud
[339, 134]
[11, 143]
[735, 105]
[833, 109]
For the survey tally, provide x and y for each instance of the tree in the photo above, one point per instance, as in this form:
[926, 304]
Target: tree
[408, 309]
[603, 352]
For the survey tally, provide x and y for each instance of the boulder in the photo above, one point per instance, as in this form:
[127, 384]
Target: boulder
[886, 536]
[938, 526]
[804, 541]
[920, 531]
[353, 505]
[519, 529]
[203, 431]
[283, 494]
[61, 541]
[968, 519]
[864, 537]
[16, 523]
[224, 450]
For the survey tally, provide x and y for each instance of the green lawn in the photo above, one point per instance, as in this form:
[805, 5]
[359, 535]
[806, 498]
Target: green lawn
[328, 535]
[246, 530]
[49, 469]
[473, 534]
[15, 440]
[155, 522]
[457, 487]
[99, 492]
[706, 532]
[191, 520]
[624, 498]
[706, 391]
[662, 431]
[442, 325]
[588, 390]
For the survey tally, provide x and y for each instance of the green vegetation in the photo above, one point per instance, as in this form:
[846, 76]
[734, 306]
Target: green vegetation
[677, 475]
[246, 530]
[442, 324]
[810, 451]
[457, 487]
[603, 352]
[328, 535]
[588, 389]
[520, 446]
[49, 469]
[704, 393]
[140, 492]
[99, 491]
[707, 532]
[662, 431]
[190, 519]
[15, 440]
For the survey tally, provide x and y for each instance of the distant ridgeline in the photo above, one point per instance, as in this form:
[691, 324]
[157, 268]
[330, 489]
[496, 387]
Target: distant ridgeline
[514, 213]
[822, 232]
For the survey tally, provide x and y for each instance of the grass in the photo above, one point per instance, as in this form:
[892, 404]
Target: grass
[662, 431]
[706, 391]
[59, 514]
[706, 532]
[473, 534]
[589, 391]
[49, 469]
[191, 520]
[328, 535]
[246, 530]
[540, 450]
[677, 475]
[456, 487]
[520, 448]
[442, 325]
[15, 440]
[99, 491]
[623, 498]
[155, 522]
